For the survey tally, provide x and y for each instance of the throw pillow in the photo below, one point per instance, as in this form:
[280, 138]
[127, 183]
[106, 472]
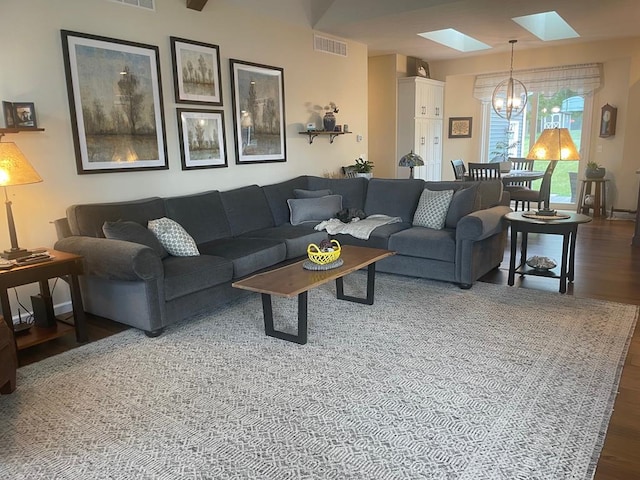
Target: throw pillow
[432, 209]
[301, 193]
[173, 237]
[133, 232]
[314, 210]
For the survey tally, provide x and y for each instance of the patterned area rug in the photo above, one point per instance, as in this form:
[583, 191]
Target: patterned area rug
[430, 382]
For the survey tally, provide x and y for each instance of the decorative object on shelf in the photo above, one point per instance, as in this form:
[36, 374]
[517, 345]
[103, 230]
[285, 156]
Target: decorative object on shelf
[328, 251]
[311, 127]
[541, 263]
[115, 98]
[15, 169]
[594, 170]
[608, 117]
[329, 119]
[202, 139]
[417, 67]
[460, 127]
[7, 109]
[24, 114]
[510, 96]
[362, 167]
[196, 72]
[258, 112]
[554, 144]
[411, 160]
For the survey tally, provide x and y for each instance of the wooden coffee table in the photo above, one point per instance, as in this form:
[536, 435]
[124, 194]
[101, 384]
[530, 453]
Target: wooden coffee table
[293, 280]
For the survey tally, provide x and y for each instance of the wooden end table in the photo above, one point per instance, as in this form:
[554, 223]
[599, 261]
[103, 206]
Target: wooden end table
[292, 280]
[62, 264]
[567, 227]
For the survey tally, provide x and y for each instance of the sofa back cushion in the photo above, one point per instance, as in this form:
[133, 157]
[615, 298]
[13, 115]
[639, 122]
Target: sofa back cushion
[393, 197]
[463, 202]
[352, 190]
[247, 209]
[277, 195]
[88, 219]
[202, 215]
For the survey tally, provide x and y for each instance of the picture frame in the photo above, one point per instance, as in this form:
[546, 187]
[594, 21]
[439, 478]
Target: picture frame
[460, 127]
[115, 99]
[24, 115]
[608, 117]
[258, 112]
[202, 139]
[7, 110]
[196, 72]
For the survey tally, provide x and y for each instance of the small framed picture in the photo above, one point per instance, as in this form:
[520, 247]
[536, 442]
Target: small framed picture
[460, 127]
[7, 109]
[202, 139]
[24, 115]
[196, 72]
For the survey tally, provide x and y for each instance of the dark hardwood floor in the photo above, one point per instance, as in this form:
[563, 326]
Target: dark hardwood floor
[607, 268]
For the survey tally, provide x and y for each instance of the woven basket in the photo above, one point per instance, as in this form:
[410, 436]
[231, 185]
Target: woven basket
[322, 258]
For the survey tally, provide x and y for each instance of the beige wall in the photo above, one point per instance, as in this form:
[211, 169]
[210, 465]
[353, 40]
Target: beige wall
[33, 71]
[621, 88]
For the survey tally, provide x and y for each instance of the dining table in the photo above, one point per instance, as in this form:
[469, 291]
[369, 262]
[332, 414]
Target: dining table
[521, 176]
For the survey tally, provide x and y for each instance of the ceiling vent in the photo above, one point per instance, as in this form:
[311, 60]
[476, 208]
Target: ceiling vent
[146, 4]
[329, 45]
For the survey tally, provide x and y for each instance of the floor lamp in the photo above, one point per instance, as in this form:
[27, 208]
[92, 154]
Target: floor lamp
[15, 169]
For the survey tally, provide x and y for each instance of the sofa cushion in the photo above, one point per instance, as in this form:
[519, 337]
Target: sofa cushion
[133, 232]
[463, 201]
[353, 190]
[425, 243]
[247, 209]
[393, 197]
[277, 195]
[296, 237]
[379, 238]
[185, 275]
[302, 193]
[173, 237]
[432, 209]
[202, 215]
[314, 210]
[247, 254]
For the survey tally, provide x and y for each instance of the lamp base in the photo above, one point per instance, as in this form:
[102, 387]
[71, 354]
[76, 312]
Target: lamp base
[15, 253]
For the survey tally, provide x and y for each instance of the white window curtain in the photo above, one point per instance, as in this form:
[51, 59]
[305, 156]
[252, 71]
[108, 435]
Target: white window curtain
[582, 79]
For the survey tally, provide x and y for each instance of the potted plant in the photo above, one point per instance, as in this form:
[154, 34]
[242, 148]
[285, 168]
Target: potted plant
[363, 167]
[594, 170]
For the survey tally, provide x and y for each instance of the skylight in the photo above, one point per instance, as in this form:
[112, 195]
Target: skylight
[452, 38]
[547, 26]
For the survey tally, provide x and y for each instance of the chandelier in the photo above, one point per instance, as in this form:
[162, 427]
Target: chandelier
[510, 96]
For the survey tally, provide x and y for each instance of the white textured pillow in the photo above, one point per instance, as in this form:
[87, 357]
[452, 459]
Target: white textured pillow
[432, 209]
[173, 237]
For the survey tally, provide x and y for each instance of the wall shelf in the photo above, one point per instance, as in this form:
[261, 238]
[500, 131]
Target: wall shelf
[20, 129]
[314, 133]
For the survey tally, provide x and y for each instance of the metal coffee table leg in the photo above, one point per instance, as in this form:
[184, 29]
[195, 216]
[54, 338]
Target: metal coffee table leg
[267, 311]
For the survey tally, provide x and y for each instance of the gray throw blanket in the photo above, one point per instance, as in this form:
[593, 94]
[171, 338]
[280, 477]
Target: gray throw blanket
[357, 228]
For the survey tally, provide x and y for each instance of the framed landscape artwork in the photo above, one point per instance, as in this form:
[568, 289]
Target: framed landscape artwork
[258, 112]
[202, 139]
[115, 99]
[196, 72]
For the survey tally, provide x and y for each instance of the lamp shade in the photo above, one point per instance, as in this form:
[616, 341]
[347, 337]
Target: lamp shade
[15, 169]
[411, 160]
[554, 144]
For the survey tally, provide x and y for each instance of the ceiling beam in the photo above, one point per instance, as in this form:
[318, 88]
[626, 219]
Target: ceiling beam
[196, 4]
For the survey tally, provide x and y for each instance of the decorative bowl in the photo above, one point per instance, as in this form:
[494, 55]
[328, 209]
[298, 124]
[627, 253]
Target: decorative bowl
[541, 263]
[322, 258]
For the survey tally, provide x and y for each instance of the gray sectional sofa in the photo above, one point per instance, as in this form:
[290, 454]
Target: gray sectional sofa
[245, 230]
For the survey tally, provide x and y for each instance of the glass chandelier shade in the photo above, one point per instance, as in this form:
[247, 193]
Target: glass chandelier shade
[510, 96]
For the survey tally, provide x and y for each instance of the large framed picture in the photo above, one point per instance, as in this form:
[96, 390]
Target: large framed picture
[202, 139]
[196, 72]
[115, 98]
[258, 112]
[460, 127]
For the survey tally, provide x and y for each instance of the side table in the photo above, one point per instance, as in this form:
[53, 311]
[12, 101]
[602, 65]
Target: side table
[567, 227]
[599, 196]
[63, 264]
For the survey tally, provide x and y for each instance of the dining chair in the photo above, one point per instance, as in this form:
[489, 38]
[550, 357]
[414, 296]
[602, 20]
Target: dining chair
[349, 171]
[518, 163]
[484, 171]
[458, 168]
[541, 197]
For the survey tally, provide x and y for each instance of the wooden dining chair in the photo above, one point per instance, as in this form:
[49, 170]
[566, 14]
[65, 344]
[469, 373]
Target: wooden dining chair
[484, 171]
[541, 197]
[458, 168]
[512, 187]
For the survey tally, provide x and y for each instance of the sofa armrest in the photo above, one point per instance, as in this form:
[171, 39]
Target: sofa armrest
[114, 259]
[482, 223]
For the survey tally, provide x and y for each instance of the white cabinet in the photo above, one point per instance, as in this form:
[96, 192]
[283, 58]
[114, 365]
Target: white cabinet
[420, 125]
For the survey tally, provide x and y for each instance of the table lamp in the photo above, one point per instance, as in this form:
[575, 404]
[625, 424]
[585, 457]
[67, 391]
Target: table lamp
[15, 169]
[554, 144]
[411, 160]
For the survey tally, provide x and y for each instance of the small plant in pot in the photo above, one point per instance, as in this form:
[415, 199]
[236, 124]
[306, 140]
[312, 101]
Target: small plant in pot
[363, 167]
[594, 170]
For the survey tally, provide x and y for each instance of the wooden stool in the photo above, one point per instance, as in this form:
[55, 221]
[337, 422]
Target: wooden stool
[8, 359]
[599, 204]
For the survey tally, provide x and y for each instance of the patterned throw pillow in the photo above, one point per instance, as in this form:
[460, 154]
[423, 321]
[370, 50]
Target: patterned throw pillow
[432, 209]
[173, 237]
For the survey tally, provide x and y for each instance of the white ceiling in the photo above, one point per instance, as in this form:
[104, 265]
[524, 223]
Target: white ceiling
[391, 26]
